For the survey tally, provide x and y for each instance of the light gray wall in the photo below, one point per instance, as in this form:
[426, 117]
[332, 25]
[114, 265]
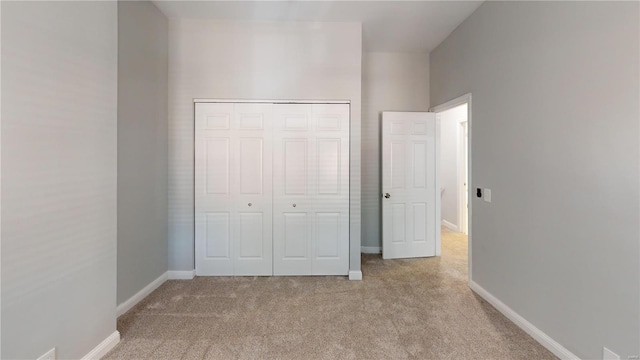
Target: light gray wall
[254, 60]
[143, 69]
[59, 84]
[449, 147]
[390, 81]
[555, 135]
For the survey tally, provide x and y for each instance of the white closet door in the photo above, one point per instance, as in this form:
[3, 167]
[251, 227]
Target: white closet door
[233, 189]
[253, 242]
[311, 189]
[331, 195]
[293, 182]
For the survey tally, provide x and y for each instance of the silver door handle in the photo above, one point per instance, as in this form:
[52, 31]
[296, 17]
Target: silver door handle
[387, 195]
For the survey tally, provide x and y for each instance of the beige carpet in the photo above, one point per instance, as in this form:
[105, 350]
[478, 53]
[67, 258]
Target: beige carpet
[403, 309]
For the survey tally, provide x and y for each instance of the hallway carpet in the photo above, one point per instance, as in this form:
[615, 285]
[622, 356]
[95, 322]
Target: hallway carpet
[403, 309]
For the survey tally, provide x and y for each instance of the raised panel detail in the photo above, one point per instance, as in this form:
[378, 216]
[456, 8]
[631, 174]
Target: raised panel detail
[251, 235]
[419, 165]
[419, 222]
[398, 222]
[251, 172]
[217, 166]
[397, 128]
[419, 128]
[328, 235]
[328, 122]
[295, 235]
[295, 167]
[296, 122]
[251, 121]
[398, 157]
[328, 167]
[217, 122]
[217, 234]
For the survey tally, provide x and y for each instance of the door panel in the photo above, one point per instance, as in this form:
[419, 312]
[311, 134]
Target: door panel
[419, 165]
[214, 188]
[220, 120]
[328, 235]
[311, 189]
[253, 174]
[419, 225]
[328, 166]
[292, 182]
[296, 238]
[233, 189]
[251, 166]
[295, 166]
[217, 170]
[218, 239]
[399, 223]
[409, 177]
[251, 235]
[398, 167]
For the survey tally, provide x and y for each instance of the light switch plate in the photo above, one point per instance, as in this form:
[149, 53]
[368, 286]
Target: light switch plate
[487, 195]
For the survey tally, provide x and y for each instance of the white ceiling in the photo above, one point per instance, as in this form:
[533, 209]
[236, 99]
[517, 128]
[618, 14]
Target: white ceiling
[390, 26]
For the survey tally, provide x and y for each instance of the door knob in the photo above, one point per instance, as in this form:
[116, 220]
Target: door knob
[387, 195]
[294, 205]
[250, 204]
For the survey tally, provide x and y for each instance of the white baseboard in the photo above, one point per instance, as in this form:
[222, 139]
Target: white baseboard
[132, 301]
[450, 226]
[371, 249]
[355, 275]
[181, 275]
[544, 339]
[104, 347]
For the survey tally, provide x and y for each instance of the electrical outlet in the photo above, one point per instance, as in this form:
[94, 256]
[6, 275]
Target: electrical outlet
[49, 355]
[609, 355]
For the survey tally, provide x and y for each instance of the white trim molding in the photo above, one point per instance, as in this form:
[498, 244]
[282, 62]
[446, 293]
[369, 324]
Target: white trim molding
[272, 101]
[135, 299]
[371, 249]
[450, 226]
[544, 339]
[104, 347]
[355, 275]
[181, 275]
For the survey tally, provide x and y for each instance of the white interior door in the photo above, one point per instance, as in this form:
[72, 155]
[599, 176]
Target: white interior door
[410, 179]
[233, 189]
[311, 189]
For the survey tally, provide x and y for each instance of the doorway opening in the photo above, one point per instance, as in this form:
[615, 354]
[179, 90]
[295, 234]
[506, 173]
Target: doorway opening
[455, 177]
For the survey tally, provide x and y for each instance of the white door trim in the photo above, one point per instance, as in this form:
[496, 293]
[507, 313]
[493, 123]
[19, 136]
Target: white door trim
[466, 98]
[463, 216]
[272, 101]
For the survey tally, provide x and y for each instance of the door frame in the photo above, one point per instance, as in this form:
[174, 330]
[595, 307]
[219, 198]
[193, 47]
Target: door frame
[461, 100]
[461, 157]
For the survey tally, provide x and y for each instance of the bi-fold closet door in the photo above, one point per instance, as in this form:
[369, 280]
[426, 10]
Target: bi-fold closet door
[311, 189]
[233, 189]
[271, 189]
